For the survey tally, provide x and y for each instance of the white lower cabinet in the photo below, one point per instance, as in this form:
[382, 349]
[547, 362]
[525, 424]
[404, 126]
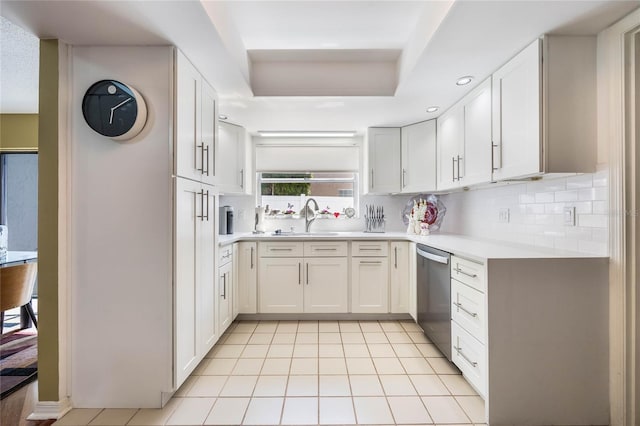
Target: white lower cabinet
[225, 296]
[194, 303]
[369, 277]
[470, 357]
[326, 285]
[281, 288]
[399, 277]
[247, 278]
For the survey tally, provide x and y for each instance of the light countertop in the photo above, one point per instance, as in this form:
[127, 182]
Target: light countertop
[460, 245]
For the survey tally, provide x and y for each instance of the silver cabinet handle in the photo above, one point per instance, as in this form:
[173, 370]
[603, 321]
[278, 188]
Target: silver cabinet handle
[370, 262]
[279, 249]
[459, 350]
[453, 168]
[307, 273]
[207, 149]
[459, 158]
[241, 178]
[201, 215]
[224, 286]
[324, 249]
[395, 263]
[369, 248]
[251, 257]
[299, 273]
[371, 178]
[404, 180]
[459, 305]
[201, 168]
[495, 163]
[460, 271]
[206, 200]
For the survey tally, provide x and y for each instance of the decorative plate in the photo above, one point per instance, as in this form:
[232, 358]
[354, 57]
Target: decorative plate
[350, 212]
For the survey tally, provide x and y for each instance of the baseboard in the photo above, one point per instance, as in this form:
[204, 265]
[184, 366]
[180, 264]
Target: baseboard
[323, 317]
[45, 410]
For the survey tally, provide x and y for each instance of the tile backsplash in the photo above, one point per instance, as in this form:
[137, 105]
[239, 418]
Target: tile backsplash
[536, 212]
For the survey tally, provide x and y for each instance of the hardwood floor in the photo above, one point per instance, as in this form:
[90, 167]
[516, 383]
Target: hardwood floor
[15, 408]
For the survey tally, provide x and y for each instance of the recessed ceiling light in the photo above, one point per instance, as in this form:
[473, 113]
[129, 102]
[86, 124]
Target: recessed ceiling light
[464, 80]
[306, 134]
[222, 117]
[433, 109]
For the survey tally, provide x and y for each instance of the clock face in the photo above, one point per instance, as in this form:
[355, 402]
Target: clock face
[114, 109]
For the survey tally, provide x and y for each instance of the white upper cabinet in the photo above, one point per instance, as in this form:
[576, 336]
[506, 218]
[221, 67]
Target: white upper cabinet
[464, 140]
[418, 148]
[383, 172]
[196, 122]
[516, 121]
[544, 111]
[231, 171]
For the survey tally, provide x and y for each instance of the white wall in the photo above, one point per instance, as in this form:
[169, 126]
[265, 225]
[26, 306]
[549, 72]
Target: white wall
[121, 237]
[536, 213]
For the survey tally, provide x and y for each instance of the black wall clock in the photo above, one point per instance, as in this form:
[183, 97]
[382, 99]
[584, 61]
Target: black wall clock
[114, 109]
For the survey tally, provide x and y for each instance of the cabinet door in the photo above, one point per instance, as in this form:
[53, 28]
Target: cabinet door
[280, 285]
[230, 167]
[384, 160]
[516, 116]
[234, 293]
[369, 285]
[326, 285]
[399, 277]
[419, 157]
[206, 266]
[188, 206]
[224, 296]
[475, 164]
[209, 132]
[189, 154]
[247, 278]
[450, 142]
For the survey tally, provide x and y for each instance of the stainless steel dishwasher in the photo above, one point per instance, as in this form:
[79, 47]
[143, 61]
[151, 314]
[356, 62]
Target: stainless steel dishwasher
[434, 296]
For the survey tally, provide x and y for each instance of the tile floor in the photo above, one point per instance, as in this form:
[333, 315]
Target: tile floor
[310, 373]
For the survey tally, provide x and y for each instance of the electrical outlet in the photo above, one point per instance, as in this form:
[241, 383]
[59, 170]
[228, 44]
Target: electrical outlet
[569, 216]
[503, 215]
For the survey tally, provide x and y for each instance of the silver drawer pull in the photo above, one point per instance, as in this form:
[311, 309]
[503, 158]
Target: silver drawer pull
[459, 350]
[459, 305]
[280, 249]
[364, 262]
[460, 271]
[325, 249]
[371, 248]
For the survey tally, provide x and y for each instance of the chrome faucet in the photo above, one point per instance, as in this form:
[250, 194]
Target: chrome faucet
[307, 221]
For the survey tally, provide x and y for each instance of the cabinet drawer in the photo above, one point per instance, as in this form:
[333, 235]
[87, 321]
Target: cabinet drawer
[280, 249]
[325, 248]
[370, 248]
[468, 272]
[468, 309]
[226, 254]
[470, 357]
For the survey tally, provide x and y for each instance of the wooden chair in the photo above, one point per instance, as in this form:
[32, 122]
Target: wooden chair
[16, 288]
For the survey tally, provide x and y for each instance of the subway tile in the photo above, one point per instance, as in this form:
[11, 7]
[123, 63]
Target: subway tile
[564, 196]
[544, 197]
[593, 247]
[601, 178]
[593, 220]
[527, 198]
[533, 209]
[600, 207]
[553, 208]
[580, 181]
[593, 194]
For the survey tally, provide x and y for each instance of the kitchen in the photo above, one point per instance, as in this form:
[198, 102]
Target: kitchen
[532, 207]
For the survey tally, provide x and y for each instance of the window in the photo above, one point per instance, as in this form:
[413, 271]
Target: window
[286, 193]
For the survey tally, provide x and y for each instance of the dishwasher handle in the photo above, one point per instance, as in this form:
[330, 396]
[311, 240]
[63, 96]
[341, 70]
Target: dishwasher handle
[434, 257]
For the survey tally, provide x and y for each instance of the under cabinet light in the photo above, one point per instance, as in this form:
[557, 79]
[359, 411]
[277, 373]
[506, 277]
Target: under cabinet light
[462, 81]
[306, 134]
[222, 117]
[432, 109]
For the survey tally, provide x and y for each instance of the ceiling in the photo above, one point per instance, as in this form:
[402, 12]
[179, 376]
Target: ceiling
[19, 59]
[438, 41]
